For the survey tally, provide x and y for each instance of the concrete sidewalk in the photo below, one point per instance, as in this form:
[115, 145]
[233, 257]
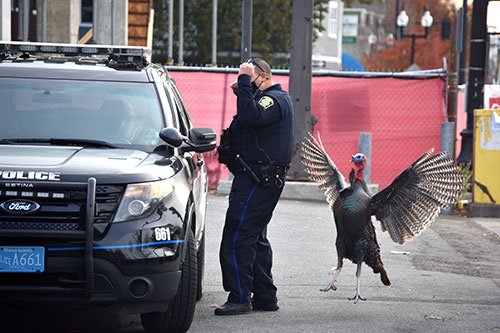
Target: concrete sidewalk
[488, 223]
[310, 191]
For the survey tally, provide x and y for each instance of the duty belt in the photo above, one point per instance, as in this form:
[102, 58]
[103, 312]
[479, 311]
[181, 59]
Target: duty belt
[280, 170]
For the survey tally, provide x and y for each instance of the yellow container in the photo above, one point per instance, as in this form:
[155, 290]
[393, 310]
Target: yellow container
[486, 157]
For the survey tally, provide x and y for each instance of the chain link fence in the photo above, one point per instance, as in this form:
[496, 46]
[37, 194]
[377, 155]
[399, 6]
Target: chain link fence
[402, 111]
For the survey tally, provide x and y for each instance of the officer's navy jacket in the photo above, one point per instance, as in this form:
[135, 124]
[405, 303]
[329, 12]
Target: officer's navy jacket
[270, 114]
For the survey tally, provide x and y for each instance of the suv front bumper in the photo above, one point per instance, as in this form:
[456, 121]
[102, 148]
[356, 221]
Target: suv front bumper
[134, 294]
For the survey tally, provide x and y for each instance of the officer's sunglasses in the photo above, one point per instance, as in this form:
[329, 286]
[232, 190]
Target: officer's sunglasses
[253, 62]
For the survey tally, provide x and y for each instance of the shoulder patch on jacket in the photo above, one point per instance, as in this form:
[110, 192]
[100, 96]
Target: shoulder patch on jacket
[266, 102]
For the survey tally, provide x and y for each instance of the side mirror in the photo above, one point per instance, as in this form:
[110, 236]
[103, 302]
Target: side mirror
[172, 136]
[200, 140]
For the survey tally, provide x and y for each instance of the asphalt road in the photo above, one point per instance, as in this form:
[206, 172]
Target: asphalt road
[447, 280]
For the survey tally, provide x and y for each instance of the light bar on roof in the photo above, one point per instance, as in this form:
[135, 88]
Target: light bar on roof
[28, 48]
[48, 48]
[69, 49]
[13, 47]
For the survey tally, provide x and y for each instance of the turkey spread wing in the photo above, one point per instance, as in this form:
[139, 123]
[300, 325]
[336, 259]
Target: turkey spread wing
[414, 199]
[321, 168]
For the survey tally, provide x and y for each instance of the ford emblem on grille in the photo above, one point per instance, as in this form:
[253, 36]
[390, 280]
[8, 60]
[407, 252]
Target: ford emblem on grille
[19, 207]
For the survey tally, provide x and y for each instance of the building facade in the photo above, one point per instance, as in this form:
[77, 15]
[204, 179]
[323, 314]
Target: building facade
[327, 48]
[116, 22]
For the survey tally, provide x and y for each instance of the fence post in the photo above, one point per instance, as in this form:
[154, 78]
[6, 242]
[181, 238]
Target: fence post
[447, 145]
[365, 147]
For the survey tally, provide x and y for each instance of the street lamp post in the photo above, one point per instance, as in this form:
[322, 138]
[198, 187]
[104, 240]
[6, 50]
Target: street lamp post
[402, 21]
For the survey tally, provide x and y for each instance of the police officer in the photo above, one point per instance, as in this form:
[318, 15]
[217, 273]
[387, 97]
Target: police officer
[263, 134]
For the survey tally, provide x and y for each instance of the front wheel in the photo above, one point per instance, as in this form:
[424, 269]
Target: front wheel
[179, 314]
[201, 267]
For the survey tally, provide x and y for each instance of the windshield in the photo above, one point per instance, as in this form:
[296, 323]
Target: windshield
[121, 113]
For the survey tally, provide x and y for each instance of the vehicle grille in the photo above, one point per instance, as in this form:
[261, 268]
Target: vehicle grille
[39, 226]
[60, 209]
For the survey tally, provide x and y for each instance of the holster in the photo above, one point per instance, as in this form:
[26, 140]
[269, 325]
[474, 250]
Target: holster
[268, 172]
[264, 174]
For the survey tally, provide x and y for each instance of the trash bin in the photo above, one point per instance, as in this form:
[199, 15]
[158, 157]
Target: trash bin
[486, 159]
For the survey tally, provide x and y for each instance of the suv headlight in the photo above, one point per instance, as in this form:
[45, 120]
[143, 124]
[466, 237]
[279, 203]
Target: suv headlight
[140, 200]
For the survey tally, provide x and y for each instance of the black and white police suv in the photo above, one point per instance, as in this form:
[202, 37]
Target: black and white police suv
[102, 184]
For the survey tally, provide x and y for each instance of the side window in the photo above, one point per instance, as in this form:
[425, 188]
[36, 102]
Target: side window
[184, 113]
[178, 108]
[172, 104]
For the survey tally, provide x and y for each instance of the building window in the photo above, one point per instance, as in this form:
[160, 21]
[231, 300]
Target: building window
[87, 12]
[333, 12]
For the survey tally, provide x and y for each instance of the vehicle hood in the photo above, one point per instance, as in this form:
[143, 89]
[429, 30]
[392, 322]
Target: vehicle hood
[77, 164]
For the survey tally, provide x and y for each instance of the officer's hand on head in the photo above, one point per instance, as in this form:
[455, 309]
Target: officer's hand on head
[246, 68]
[234, 86]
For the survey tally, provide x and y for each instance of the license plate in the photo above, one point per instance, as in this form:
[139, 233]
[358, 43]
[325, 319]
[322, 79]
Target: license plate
[22, 259]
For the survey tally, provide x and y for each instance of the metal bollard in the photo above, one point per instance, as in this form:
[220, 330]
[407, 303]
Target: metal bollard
[448, 138]
[447, 145]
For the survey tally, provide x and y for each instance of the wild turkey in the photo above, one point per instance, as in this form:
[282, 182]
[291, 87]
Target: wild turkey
[405, 208]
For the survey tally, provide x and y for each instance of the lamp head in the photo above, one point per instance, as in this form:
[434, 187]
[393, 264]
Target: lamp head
[427, 19]
[402, 19]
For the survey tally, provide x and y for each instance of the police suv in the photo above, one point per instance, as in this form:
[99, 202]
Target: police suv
[102, 184]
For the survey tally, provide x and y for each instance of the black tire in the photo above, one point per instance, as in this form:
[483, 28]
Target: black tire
[201, 267]
[179, 314]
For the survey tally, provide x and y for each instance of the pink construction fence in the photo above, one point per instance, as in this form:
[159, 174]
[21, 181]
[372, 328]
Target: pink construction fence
[403, 113]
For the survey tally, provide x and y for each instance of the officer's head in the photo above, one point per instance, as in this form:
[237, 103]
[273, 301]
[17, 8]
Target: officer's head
[262, 76]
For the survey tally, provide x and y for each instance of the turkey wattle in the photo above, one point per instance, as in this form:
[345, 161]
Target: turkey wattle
[405, 208]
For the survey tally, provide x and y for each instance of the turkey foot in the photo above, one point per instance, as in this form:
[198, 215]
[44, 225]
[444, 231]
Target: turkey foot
[331, 285]
[356, 298]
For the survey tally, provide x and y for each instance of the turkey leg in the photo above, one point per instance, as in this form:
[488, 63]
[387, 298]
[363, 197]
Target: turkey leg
[357, 297]
[336, 272]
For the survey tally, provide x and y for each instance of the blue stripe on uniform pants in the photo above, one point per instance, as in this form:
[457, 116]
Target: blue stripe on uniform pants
[235, 239]
[250, 210]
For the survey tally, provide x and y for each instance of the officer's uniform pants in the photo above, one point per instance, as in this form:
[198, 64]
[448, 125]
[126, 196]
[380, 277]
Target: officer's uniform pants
[245, 253]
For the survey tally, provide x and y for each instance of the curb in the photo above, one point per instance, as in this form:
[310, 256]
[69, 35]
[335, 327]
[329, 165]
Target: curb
[293, 190]
[309, 191]
[490, 224]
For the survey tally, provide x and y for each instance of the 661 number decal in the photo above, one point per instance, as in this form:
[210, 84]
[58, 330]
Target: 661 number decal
[162, 233]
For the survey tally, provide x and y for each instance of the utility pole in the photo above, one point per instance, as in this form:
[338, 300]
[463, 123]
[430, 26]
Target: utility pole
[300, 79]
[396, 28]
[26, 20]
[477, 65]
[180, 59]
[246, 31]
[214, 32]
[44, 21]
[170, 49]
[461, 43]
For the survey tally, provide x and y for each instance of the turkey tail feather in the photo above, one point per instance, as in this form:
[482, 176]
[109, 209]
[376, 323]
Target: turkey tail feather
[414, 199]
[384, 278]
[321, 168]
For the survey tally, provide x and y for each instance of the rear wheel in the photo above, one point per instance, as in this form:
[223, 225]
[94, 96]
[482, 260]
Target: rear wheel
[179, 314]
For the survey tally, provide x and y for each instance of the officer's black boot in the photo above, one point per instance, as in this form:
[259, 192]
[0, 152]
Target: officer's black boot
[230, 309]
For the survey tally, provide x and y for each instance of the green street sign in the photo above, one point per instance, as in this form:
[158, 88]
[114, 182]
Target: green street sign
[348, 40]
